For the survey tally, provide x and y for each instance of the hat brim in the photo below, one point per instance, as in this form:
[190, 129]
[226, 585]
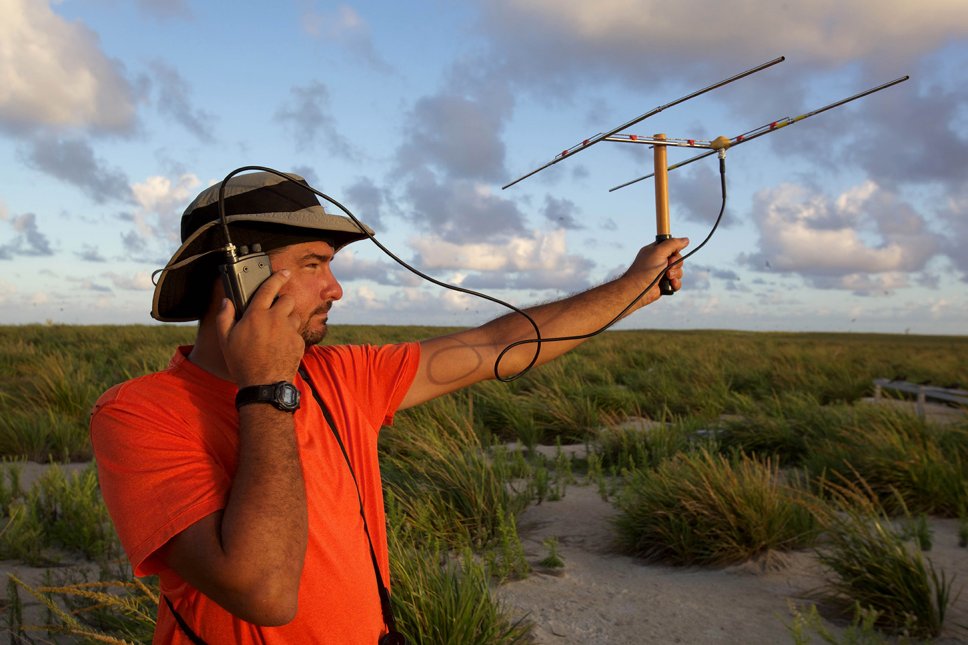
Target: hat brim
[183, 293]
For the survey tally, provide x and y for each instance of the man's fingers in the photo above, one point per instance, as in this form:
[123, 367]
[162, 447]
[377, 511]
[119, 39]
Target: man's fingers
[673, 245]
[267, 292]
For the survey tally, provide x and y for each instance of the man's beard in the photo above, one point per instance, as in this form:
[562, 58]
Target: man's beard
[313, 336]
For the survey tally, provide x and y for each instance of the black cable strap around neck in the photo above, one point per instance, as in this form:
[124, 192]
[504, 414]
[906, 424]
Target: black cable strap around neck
[192, 636]
[385, 605]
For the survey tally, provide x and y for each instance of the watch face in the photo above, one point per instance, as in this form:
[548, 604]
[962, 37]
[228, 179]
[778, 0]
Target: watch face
[287, 395]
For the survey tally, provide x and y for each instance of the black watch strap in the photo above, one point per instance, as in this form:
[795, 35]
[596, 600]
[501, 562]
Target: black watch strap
[283, 395]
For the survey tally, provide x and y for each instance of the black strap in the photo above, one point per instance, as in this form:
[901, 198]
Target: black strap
[192, 636]
[384, 592]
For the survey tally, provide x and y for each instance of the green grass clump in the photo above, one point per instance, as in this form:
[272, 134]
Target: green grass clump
[703, 508]
[447, 485]
[861, 631]
[553, 559]
[442, 600]
[901, 458]
[634, 445]
[783, 425]
[60, 512]
[505, 413]
[876, 569]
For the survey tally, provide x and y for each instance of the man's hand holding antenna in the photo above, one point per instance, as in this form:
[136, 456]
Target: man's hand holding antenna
[648, 264]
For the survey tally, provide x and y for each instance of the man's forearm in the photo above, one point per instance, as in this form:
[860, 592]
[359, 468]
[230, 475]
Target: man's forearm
[577, 315]
[249, 557]
[265, 521]
[451, 362]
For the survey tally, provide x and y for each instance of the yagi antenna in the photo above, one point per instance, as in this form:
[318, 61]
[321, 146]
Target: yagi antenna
[722, 143]
[660, 143]
[587, 143]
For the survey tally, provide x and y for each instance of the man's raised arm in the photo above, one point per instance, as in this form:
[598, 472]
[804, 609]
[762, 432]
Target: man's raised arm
[448, 363]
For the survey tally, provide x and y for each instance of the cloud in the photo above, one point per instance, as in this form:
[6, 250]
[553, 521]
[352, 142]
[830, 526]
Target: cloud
[157, 219]
[28, 240]
[54, 74]
[954, 217]
[348, 266]
[88, 284]
[72, 160]
[641, 39]
[930, 117]
[139, 281]
[561, 213]
[90, 253]
[134, 243]
[166, 8]
[307, 116]
[461, 211]
[841, 243]
[154, 226]
[344, 25]
[696, 195]
[365, 199]
[456, 135]
[540, 259]
[174, 101]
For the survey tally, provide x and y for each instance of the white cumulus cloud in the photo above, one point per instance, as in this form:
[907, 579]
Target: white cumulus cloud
[54, 73]
[161, 201]
[540, 251]
[831, 31]
[864, 240]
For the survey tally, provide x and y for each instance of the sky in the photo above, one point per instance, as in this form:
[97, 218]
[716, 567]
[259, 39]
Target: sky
[114, 114]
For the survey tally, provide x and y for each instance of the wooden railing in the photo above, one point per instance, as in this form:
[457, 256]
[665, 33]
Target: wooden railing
[924, 393]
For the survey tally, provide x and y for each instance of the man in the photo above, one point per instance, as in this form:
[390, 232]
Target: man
[246, 507]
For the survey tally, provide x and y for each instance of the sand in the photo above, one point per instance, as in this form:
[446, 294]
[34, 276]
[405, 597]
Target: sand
[600, 597]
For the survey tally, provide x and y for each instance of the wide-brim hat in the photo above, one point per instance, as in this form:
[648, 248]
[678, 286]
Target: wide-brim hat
[261, 208]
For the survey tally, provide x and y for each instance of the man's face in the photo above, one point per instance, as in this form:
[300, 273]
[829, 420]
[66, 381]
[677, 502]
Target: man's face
[312, 285]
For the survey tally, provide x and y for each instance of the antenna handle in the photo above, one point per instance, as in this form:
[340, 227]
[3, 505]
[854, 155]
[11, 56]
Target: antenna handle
[663, 230]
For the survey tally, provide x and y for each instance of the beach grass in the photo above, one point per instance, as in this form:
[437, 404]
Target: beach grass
[703, 508]
[878, 569]
[687, 429]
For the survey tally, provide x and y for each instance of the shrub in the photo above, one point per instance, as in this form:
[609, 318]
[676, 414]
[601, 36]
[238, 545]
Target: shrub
[438, 600]
[900, 458]
[447, 485]
[702, 508]
[877, 570]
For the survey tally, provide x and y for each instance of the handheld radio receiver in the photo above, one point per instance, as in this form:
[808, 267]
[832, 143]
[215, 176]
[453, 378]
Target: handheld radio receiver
[243, 273]
[246, 269]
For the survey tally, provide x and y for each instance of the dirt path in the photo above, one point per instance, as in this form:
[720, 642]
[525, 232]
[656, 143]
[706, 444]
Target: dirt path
[603, 598]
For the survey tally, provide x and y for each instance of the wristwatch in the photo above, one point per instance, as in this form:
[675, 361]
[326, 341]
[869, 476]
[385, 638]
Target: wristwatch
[283, 395]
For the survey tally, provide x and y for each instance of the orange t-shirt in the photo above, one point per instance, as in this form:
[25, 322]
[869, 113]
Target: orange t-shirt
[166, 446]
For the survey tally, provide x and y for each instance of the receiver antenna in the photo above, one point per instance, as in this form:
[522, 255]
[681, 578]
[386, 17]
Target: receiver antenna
[578, 147]
[722, 143]
[719, 145]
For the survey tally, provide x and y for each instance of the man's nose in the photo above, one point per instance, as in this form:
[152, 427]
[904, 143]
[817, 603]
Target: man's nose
[332, 290]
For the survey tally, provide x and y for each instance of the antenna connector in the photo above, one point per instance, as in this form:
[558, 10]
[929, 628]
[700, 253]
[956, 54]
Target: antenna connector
[720, 143]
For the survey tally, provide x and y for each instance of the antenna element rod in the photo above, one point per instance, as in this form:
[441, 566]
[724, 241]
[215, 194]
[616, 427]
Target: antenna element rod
[587, 143]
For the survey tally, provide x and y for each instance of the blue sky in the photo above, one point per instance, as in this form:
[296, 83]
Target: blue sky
[114, 114]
